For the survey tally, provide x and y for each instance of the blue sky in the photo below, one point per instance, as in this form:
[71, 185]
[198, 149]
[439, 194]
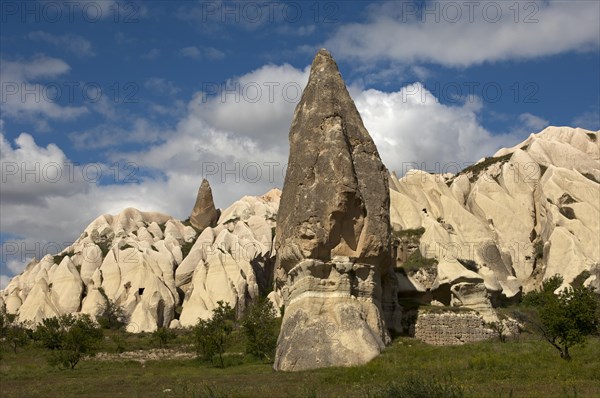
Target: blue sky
[111, 104]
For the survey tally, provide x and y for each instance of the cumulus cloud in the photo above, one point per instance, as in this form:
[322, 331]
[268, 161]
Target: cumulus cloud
[461, 34]
[71, 43]
[412, 129]
[17, 253]
[23, 97]
[36, 209]
[32, 174]
[533, 122]
[262, 101]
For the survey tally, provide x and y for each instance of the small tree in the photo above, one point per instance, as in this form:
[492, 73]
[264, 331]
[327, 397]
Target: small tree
[259, 326]
[212, 335]
[49, 333]
[4, 322]
[16, 336]
[163, 336]
[70, 338]
[113, 318]
[564, 319]
[499, 327]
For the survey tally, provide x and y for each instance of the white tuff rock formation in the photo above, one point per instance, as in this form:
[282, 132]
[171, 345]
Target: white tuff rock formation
[506, 223]
[140, 261]
[497, 228]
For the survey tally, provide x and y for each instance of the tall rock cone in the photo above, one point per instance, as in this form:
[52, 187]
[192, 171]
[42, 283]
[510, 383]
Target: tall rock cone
[333, 233]
[204, 213]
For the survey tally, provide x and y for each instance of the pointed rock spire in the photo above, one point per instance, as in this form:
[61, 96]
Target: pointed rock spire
[335, 199]
[333, 232]
[204, 213]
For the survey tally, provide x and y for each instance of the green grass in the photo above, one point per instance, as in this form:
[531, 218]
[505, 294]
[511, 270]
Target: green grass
[416, 261]
[409, 233]
[528, 367]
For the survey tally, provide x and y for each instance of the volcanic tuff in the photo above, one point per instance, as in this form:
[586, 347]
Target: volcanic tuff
[149, 264]
[333, 267]
[204, 213]
[502, 225]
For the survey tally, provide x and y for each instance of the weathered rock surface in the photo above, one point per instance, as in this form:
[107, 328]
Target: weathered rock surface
[204, 213]
[139, 261]
[507, 222]
[232, 262]
[333, 232]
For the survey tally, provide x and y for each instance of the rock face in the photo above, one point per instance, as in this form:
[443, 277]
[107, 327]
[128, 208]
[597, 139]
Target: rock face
[150, 264]
[232, 262]
[503, 225]
[333, 232]
[204, 213]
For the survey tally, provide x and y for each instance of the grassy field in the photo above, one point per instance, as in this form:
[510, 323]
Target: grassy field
[525, 368]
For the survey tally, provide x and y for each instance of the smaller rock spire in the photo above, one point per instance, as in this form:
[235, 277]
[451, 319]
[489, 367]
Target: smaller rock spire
[204, 213]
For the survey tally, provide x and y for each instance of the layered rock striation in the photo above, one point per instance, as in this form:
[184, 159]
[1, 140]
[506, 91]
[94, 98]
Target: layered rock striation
[333, 266]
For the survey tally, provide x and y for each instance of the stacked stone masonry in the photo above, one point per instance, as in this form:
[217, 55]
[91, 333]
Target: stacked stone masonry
[450, 328]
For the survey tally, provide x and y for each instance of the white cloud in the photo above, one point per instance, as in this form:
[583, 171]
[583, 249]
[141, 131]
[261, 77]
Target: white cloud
[93, 10]
[23, 98]
[460, 34]
[533, 122]
[40, 66]
[588, 120]
[4, 279]
[161, 86]
[140, 130]
[413, 130]
[152, 54]
[209, 53]
[191, 52]
[258, 105]
[71, 43]
[32, 174]
[39, 207]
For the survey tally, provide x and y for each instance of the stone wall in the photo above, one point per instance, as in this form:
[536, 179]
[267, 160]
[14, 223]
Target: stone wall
[451, 328]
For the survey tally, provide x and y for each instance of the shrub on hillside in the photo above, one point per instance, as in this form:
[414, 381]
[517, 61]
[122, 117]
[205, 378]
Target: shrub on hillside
[211, 336]
[260, 328]
[70, 338]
